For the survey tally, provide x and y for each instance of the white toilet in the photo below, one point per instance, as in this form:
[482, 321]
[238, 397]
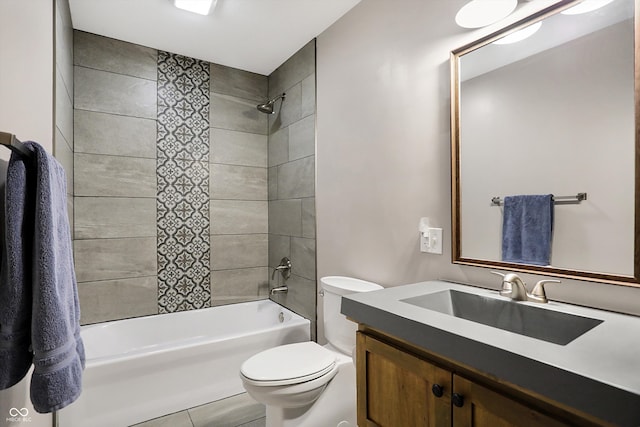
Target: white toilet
[306, 384]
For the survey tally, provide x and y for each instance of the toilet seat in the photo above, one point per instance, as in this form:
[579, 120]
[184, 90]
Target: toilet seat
[288, 364]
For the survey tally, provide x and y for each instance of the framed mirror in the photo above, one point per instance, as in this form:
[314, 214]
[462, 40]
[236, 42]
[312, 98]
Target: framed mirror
[553, 113]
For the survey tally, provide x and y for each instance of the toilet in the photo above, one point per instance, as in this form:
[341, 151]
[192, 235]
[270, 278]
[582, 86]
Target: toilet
[306, 384]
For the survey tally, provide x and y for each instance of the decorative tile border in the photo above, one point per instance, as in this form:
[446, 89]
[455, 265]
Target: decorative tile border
[183, 183]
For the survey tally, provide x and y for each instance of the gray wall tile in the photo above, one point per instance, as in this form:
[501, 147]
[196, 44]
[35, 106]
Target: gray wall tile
[229, 412]
[291, 109]
[113, 217]
[239, 217]
[243, 84]
[64, 109]
[238, 251]
[64, 44]
[300, 298]
[294, 69]
[102, 133]
[107, 54]
[279, 147]
[279, 247]
[309, 218]
[114, 93]
[297, 178]
[70, 206]
[273, 182]
[285, 217]
[302, 138]
[245, 284]
[238, 182]
[238, 148]
[179, 419]
[228, 112]
[103, 259]
[97, 175]
[64, 155]
[303, 257]
[308, 96]
[117, 299]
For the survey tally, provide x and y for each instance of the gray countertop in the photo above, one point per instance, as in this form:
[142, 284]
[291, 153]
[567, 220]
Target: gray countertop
[597, 373]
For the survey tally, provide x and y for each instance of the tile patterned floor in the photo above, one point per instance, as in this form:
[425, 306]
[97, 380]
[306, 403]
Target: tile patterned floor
[236, 411]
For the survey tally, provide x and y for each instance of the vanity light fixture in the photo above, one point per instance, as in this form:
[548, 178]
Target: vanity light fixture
[201, 7]
[480, 13]
[520, 35]
[586, 6]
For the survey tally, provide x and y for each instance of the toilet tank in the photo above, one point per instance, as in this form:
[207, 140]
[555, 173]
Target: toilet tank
[340, 332]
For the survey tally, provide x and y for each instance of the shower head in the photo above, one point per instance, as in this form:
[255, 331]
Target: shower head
[267, 107]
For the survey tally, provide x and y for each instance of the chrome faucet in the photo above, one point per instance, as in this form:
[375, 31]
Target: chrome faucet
[279, 289]
[285, 269]
[514, 288]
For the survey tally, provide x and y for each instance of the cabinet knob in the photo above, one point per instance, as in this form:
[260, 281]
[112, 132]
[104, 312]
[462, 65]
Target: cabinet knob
[457, 400]
[437, 390]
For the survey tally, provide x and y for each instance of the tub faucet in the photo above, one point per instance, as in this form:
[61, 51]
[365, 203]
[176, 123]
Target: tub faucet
[279, 289]
[284, 268]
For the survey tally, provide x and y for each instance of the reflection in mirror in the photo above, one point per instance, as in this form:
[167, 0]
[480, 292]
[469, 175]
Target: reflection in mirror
[549, 112]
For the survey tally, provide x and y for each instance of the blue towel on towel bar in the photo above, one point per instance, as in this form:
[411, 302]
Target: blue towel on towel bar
[43, 286]
[527, 229]
[58, 351]
[16, 218]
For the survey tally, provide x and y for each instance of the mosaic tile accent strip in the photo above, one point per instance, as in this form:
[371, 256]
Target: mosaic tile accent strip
[183, 184]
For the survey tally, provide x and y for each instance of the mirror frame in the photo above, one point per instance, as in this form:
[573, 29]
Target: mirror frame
[456, 233]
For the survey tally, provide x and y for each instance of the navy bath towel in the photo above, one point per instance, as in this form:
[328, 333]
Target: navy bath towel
[43, 286]
[16, 218]
[527, 229]
[58, 352]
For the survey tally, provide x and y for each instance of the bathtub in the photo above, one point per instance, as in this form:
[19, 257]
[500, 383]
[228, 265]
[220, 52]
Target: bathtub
[146, 367]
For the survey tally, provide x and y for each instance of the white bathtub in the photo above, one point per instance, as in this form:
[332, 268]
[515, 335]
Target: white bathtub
[143, 368]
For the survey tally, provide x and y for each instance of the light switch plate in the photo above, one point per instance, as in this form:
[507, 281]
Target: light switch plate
[431, 241]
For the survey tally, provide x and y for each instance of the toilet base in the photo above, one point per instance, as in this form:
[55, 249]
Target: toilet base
[336, 404]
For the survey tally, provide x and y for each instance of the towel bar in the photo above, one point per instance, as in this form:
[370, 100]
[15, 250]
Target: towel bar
[557, 200]
[11, 142]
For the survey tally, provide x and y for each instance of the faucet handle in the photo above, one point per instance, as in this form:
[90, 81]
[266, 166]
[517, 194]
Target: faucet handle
[497, 273]
[538, 293]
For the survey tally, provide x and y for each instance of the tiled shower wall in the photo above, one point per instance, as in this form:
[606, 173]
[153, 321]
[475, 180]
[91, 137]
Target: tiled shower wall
[129, 205]
[292, 179]
[115, 178]
[63, 142]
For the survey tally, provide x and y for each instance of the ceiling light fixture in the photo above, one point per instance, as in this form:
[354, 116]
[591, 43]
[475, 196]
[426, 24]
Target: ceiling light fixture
[480, 13]
[586, 6]
[201, 7]
[520, 34]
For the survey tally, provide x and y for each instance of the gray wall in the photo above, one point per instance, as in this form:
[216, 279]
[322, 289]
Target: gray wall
[292, 179]
[123, 165]
[383, 148]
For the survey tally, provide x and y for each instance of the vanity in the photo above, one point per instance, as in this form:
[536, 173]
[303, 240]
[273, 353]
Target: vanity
[439, 353]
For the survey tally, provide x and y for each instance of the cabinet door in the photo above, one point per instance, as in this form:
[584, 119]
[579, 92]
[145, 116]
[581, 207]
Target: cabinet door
[482, 407]
[396, 389]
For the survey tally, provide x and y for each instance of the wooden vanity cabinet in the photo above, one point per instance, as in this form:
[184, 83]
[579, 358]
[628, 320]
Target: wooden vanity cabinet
[397, 388]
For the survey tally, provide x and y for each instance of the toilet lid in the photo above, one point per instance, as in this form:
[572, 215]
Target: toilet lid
[289, 364]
